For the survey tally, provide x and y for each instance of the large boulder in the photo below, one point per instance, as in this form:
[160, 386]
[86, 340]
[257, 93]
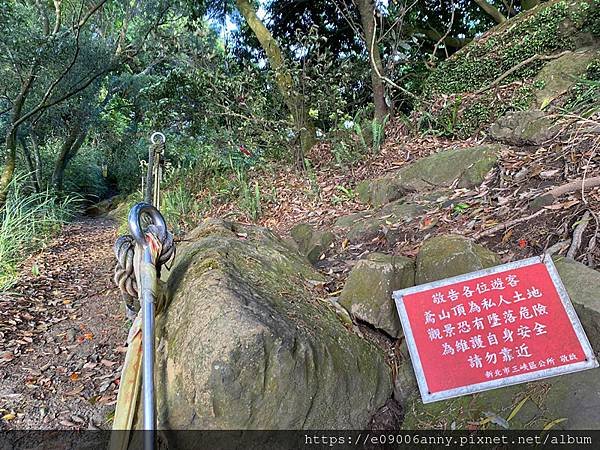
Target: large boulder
[572, 398]
[464, 168]
[451, 255]
[560, 74]
[367, 294]
[244, 344]
[583, 286]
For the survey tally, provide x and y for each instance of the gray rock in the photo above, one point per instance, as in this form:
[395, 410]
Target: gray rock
[583, 287]
[405, 383]
[367, 294]
[465, 167]
[531, 127]
[559, 75]
[311, 243]
[393, 214]
[243, 344]
[451, 255]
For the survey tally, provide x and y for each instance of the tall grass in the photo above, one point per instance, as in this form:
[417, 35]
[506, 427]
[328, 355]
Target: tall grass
[26, 223]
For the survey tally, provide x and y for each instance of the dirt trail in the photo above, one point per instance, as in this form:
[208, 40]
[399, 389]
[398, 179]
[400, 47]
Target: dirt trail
[62, 334]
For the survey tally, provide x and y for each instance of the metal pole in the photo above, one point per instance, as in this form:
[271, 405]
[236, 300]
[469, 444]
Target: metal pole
[147, 289]
[148, 296]
[155, 156]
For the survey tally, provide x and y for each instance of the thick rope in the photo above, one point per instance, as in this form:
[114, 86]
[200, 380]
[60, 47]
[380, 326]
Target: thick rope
[124, 269]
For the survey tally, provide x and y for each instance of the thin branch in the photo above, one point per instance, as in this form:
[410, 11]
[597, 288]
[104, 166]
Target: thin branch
[90, 13]
[42, 107]
[491, 11]
[578, 234]
[448, 28]
[573, 186]
[348, 19]
[518, 66]
[44, 14]
[384, 78]
[58, 16]
[504, 225]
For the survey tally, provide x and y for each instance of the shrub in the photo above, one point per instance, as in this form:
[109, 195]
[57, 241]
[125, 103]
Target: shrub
[26, 223]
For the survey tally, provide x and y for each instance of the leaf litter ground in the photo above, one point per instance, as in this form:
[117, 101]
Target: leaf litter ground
[62, 334]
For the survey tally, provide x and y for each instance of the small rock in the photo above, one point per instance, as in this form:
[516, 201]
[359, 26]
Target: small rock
[311, 243]
[451, 255]
[71, 334]
[367, 294]
[531, 127]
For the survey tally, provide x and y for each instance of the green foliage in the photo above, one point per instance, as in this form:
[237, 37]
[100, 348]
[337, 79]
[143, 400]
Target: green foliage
[584, 98]
[121, 212]
[544, 32]
[344, 195]
[84, 174]
[180, 208]
[451, 107]
[354, 137]
[524, 96]
[463, 116]
[333, 85]
[248, 195]
[460, 208]
[26, 223]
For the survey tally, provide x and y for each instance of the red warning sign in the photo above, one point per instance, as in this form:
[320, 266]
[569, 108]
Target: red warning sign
[500, 326]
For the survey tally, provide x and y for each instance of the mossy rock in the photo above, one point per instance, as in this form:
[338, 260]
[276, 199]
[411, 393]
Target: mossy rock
[380, 191]
[311, 243]
[559, 75]
[102, 208]
[451, 255]
[466, 167]
[244, 344]
[351, 219]
[574, 398]
[367, 294]
[531, 127]
[393, 213]
[544, 30]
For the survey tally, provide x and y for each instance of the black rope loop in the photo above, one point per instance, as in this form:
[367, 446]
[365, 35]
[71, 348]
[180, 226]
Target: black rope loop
[124, 250]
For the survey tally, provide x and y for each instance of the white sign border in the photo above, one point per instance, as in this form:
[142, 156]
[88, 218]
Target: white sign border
[427, 397]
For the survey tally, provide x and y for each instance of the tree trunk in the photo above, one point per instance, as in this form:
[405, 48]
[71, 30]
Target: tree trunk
[366, 8]
[11, 140]
[293, 100]
[68, 150]
[30, 165]
[491, 11]
[37, 160]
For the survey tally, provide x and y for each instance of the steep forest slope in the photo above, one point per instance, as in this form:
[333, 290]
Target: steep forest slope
[277, 311]
[522, 181]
